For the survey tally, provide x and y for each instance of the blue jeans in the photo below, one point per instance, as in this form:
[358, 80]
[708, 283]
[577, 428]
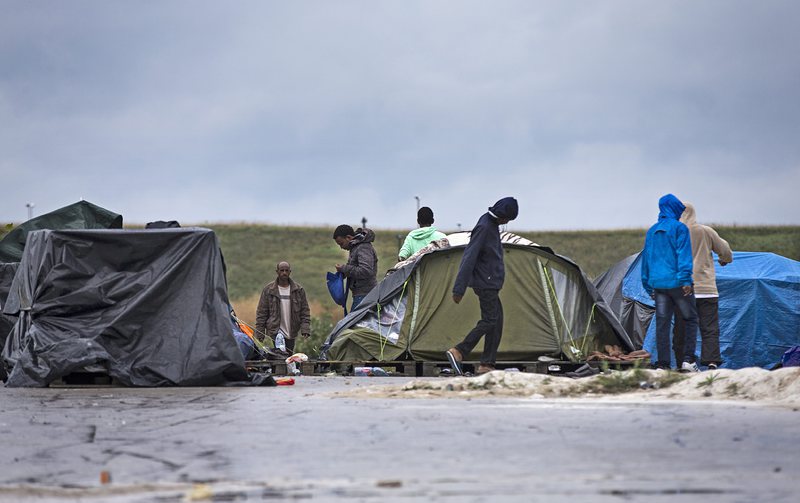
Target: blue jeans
[356, 301]
[669, 302]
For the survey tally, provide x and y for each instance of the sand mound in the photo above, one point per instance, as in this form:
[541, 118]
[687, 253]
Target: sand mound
[780, 387]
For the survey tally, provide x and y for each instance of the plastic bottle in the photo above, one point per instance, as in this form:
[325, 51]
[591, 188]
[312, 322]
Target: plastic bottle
[280, 341]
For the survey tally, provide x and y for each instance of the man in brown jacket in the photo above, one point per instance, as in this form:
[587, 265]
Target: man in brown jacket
[704, 241]
[283, 307]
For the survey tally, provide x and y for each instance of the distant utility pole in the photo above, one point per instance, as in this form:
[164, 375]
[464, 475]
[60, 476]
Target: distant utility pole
[459, 227]
[417, 198]
[363, 222]
[30, 209]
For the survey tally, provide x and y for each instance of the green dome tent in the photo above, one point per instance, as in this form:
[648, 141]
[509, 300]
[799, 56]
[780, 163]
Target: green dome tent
[80, 215]
[550, 308]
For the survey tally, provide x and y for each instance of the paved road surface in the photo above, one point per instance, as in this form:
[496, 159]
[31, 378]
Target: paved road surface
[300, 442]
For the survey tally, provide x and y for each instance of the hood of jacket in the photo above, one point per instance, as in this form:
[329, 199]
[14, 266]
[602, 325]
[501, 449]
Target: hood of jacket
[506, 208]
[689, 218]
[670, 206]
[423, 233]
[362, 236]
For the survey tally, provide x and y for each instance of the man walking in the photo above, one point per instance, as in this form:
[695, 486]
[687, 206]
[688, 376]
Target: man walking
[283, 309]
[705, 240]
[483, 270]
[667, 277]
[362, 262]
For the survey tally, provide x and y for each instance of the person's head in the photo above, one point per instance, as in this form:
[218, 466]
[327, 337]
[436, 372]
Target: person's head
[425, 217]
[505, 210]
[343, 235]
[688, 217]
[284, 270]
[670, 206]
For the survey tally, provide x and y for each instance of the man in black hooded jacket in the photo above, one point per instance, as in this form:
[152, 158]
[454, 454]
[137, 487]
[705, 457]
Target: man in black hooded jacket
[483, 270]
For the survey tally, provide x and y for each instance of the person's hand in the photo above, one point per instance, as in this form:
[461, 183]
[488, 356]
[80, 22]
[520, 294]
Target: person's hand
[687, 290]
[305, 335]
[652, 295]
[339, 267]
[457, 298]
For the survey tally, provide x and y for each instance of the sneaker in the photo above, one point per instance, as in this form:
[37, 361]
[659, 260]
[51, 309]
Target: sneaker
[712, 366]
[689, 367]
[454, 357]
[484, 369]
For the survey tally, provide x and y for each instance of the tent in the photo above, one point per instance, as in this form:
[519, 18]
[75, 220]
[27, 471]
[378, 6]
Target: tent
[148, 308]
[759, 306]
[550, 308]
[7, 272]
[627, 297]
[80, 215]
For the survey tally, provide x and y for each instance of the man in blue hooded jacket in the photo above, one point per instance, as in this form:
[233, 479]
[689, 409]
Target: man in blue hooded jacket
[483, 270]
[667, 277]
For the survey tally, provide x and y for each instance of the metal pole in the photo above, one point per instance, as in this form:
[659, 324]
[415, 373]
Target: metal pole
[417, 198]
[30, 209]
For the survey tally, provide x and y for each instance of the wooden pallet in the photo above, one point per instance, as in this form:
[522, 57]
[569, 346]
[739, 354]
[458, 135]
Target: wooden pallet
[88, 379]
[407, 368]
[435, 369]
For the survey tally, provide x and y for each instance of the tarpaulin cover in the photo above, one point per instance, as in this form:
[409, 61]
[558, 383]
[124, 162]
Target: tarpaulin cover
[150, 307]
[80, 215]
[627, 298]
[7, 272]
[759, 308]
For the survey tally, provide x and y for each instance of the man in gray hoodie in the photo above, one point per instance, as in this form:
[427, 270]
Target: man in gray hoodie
[362, 264]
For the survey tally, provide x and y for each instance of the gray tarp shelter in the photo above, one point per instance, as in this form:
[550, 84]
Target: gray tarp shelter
[149, 308]
[550, 308]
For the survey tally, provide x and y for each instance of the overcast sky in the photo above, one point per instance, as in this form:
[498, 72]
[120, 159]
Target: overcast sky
[326, 112]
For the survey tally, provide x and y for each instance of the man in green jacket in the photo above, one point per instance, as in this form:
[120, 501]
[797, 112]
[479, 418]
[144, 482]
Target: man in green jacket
[419, 238]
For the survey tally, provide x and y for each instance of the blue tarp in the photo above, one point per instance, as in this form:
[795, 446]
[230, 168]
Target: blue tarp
[759, 308]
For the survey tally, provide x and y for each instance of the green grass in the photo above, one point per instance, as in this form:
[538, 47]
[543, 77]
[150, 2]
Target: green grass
[631, 380]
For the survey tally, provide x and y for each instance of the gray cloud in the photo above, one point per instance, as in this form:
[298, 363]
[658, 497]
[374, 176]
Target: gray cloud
[321, 112]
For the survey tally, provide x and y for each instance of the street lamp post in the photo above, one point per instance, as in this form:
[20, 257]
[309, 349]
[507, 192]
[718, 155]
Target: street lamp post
[417, 198]
[30, 209]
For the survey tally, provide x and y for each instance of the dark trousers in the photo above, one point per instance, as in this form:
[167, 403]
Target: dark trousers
[669, 302]
[708, 321]
[490, 327]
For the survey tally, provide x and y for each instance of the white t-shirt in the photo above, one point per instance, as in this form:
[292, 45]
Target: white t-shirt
[286, 309]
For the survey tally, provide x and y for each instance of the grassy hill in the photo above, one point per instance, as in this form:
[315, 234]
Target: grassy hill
[252, 252]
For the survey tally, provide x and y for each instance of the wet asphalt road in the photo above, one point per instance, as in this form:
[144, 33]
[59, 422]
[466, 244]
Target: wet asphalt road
[300, 442]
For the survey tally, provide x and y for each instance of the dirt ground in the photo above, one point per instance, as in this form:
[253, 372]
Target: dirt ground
[500, 437]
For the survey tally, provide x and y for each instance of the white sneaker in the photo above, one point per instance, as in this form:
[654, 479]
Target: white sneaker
[689, 367]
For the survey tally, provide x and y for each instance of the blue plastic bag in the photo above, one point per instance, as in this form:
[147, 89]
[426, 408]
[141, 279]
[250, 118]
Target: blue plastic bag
[337, 288]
